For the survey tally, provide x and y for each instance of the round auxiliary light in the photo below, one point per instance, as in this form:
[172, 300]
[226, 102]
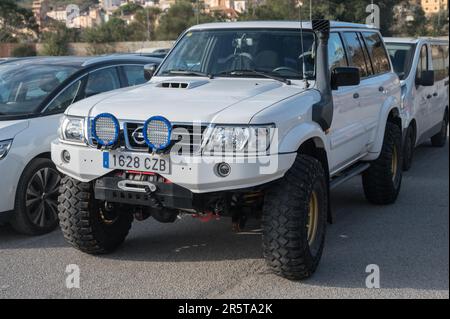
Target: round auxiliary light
[157, 132]
[105, 129]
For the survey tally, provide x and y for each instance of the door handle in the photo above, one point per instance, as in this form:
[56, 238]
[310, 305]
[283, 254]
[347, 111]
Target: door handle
[356, 96]
[429, 96]
[381, 89]
[435, 94]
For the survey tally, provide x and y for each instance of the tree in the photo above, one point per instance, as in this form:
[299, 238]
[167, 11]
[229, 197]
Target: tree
[439, 24]
[179, 17]
[15, 19]
[409, 20]
[56, 40]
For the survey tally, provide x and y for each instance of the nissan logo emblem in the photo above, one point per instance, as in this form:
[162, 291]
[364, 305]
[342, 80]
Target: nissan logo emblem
[138, 136]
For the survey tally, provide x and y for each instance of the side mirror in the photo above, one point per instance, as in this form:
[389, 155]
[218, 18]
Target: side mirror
[426, 78]
[149, 70]
[344, 76]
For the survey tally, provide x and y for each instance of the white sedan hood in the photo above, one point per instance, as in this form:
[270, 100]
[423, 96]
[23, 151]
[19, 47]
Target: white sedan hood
[221, 100]
[9, 129]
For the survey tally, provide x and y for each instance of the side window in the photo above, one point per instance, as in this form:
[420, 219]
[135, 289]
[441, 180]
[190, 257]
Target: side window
[423, 61]
[64, 99]
[356, 53]
[336, 51]
[103, 80]
[377, 51]
[437, 55]
[446, 60]
[134, 74]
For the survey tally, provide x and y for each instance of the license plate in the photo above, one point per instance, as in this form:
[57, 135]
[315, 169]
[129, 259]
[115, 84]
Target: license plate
[136, 162]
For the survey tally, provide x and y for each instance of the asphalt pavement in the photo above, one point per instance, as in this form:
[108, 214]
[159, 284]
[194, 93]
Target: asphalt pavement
[408, 241]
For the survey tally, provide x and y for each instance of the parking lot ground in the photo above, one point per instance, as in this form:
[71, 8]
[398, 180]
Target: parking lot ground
[409, 241]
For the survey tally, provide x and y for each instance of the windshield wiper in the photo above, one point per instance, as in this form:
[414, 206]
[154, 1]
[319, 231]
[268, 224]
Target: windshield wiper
[255, 72]
[187, 73]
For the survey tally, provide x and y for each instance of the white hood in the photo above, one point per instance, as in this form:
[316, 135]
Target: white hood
[9, 129]
[180, 99]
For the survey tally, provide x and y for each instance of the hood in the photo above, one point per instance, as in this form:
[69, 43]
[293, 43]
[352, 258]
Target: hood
[9, 129]
[180, 99]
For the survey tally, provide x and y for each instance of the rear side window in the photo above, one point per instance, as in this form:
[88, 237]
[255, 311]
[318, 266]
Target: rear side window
[356, 53]
[134, 74]
[377, 51]
[439, 64]
[103, 80]
[336, 52]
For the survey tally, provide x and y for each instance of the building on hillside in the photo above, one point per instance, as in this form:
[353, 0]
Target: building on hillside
[434, 6]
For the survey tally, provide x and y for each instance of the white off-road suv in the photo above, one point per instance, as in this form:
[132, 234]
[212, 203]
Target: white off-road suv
[241, 119]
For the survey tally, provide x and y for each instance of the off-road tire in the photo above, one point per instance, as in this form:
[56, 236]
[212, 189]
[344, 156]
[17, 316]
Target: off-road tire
[440, 139]
[408, 149]
[82, 221]
[22, 218]
[285, 217]
[381, 187]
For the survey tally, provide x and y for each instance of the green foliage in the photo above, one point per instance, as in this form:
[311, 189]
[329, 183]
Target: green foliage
[24, 50]
[56, 40]
[439, 24]
[179, 17]
[15, 19]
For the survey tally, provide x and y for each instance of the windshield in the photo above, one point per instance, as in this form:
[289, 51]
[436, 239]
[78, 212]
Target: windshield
[223, 52]
[402, 55]
[24, 87]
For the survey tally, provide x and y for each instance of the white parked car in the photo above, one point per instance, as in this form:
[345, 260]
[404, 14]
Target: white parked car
[241, 119]
[423, 67]
[34, 93]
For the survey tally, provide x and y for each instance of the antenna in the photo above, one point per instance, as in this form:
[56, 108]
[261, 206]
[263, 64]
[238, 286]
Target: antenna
[300, 5]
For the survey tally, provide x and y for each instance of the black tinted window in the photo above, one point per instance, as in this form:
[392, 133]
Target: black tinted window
[102, 81]
[356, 53]
[336, 51]
[134, 74]
[378, 55]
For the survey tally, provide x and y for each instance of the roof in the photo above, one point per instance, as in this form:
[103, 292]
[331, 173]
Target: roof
[416, 40]
[81, 62]
[274, 25]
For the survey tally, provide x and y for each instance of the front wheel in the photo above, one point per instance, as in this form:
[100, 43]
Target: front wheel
[36, 202]
[294, 220]
[87, 225]
[382, 181]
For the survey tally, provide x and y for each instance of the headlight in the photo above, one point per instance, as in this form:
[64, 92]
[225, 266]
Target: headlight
[238, 139]
[72, 129]
[4, 148]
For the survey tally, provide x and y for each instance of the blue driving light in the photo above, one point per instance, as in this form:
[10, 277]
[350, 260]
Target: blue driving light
[105, 129]
[157, 133]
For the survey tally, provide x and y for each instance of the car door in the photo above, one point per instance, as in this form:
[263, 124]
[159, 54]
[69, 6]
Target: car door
[380, 83]
[345, 109]
[439, 96]
[423, 95]
[348, 136]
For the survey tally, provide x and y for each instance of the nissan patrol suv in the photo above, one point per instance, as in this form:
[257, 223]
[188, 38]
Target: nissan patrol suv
[241, 119]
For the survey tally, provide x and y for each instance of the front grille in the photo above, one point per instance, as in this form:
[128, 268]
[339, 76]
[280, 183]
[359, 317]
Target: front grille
[189, 137]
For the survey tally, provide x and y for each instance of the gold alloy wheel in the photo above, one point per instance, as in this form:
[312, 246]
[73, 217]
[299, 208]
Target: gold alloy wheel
[313, 218]
[394, 165]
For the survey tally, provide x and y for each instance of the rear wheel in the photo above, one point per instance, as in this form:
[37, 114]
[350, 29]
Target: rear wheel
[382, 181]
[440, 139]
[408, 149]
[87, 225]
[294, 220]
[36, 203]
